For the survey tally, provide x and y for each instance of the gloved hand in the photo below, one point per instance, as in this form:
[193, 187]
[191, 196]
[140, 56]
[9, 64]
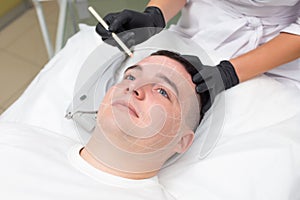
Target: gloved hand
[211, 80]
[151, 20]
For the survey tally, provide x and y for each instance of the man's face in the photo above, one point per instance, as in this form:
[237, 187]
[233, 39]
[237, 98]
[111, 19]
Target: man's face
[148, 109]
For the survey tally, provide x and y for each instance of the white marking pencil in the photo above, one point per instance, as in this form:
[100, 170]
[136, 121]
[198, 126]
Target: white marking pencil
[116, 38]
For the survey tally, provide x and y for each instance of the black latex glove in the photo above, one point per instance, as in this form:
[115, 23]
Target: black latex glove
[132, 27]
[211, 80]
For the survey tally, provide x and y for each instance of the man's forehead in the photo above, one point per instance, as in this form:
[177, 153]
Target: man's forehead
[160, 60]
[168, 67]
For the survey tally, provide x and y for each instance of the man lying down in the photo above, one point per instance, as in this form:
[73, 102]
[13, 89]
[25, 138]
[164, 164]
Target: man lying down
[143, 120]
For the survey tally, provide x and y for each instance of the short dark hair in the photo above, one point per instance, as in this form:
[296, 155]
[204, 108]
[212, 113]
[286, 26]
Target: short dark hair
[176, 56]
[191, 69]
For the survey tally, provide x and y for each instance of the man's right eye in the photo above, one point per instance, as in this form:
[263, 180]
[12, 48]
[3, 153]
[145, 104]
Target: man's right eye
[129, 77]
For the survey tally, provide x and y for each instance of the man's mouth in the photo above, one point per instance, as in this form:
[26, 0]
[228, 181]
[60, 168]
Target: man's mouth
[128, 106]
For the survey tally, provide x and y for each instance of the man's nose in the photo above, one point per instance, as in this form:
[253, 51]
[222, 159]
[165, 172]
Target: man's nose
[138, 92]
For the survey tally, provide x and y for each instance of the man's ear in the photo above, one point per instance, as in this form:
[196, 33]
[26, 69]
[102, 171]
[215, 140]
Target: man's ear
[185, 142]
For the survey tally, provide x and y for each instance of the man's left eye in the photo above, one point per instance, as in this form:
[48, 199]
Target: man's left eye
[129, 77]
[163, 92]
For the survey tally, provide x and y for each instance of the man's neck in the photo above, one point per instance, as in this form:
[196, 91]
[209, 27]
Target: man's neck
[99, 165]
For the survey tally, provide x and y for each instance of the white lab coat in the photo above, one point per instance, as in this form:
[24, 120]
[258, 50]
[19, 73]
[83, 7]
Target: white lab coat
[230, 28]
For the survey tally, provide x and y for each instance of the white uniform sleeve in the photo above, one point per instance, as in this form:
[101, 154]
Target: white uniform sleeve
[294, 28]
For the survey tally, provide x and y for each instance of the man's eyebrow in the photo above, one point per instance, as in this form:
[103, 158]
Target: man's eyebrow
[171, 83]
[138, 67]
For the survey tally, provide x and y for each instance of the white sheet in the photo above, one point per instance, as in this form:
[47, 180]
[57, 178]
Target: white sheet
[257, 157]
